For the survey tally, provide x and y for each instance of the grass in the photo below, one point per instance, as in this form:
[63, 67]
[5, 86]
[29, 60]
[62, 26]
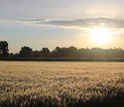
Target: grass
[71, 59]
[61, 84]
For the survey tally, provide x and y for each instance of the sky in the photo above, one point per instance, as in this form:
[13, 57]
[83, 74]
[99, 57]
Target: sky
[51, 23]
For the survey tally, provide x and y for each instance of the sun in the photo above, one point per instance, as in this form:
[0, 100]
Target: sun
[101, 35]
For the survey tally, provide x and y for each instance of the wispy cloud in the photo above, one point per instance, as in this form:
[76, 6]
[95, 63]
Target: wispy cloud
[80, 23]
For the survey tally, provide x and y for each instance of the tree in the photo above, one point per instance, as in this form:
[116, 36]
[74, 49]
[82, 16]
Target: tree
[64, 52]
[45, 52]
[36, 53]
[4, 49]
[72, 51]
[25, 51]
[57, 52]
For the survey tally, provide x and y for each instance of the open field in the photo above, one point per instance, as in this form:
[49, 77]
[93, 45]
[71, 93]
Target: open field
[61, 84]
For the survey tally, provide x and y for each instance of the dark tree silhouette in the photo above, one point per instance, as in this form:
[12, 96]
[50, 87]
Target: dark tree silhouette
[64, 52]
[45, 52]
[36, 53]
[25, 51]
[4, 49]
[72, 51]
[57, 52]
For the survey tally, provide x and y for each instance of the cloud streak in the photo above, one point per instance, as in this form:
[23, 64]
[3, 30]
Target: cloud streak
[80, 23]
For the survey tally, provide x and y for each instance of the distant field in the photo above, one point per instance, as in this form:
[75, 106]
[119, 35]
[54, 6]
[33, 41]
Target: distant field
[61, 84]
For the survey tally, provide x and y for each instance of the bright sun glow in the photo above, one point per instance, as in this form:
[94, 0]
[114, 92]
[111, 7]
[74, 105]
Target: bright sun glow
[101, 35]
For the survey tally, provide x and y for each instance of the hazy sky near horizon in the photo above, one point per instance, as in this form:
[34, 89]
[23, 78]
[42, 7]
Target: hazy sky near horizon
[51, 23]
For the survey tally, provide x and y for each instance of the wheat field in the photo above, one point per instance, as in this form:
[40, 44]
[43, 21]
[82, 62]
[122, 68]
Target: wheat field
[61, 84]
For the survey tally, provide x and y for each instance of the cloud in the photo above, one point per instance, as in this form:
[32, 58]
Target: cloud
[80, 23]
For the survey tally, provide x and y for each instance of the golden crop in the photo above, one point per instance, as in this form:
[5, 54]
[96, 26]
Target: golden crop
[59, 83]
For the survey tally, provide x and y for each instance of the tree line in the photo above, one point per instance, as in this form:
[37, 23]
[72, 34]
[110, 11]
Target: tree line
[61, 52]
